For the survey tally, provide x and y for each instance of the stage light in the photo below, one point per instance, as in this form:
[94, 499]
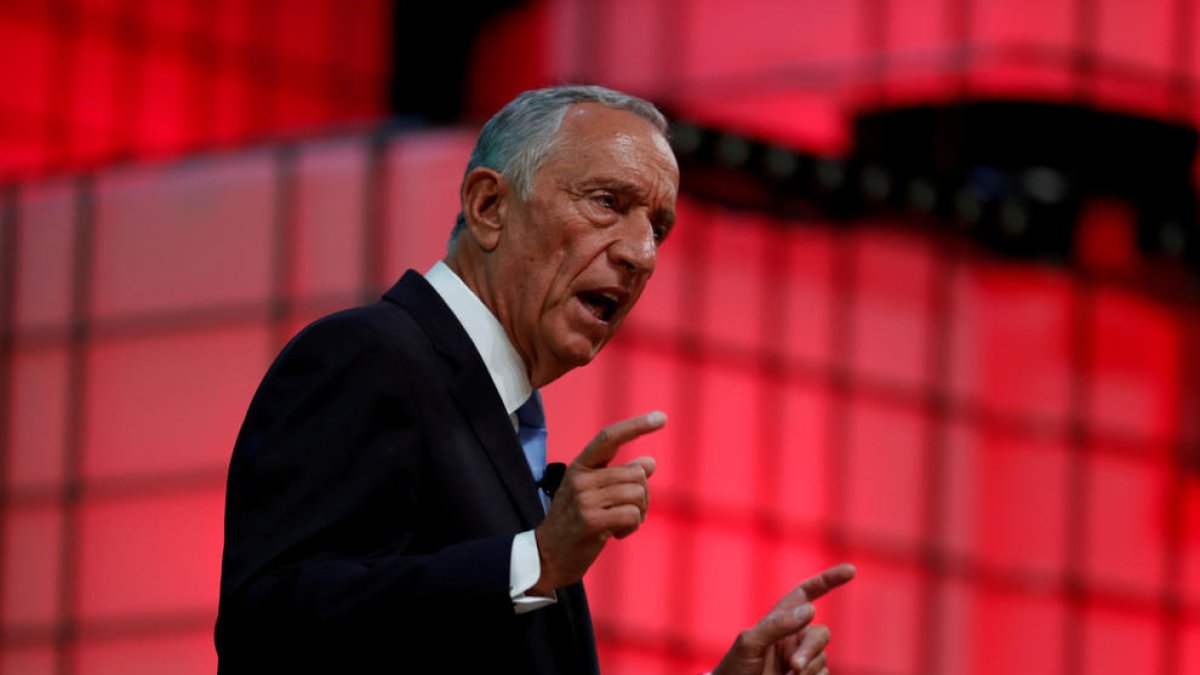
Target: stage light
[732, 151]
[1014, 218]
[876, 183]
[922, 194]
[687, 138]
[1045, 184]
[780, 163]
[831, 173]
[968, 204]
[1172, 239]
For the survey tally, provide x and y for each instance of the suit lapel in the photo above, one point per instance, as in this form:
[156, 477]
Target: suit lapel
[473, 390]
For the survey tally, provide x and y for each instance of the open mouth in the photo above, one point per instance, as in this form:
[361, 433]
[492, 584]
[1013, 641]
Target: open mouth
[601, 304]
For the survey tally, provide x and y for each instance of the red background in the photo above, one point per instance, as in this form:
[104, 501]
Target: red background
[1007, 450]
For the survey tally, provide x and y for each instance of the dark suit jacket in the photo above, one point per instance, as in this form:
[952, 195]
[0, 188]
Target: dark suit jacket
[373, 495]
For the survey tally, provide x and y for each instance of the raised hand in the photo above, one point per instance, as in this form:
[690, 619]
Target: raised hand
[783, 641]
[594, 503]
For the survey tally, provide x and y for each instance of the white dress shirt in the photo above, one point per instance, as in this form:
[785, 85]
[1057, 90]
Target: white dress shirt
[507, 371]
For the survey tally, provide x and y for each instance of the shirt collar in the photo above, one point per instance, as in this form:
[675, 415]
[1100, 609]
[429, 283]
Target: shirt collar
[503, 363]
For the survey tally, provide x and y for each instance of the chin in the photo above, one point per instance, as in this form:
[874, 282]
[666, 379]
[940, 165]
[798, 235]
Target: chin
[580, 353]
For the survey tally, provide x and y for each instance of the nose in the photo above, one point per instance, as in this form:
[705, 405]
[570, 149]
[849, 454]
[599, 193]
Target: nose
[635, 249]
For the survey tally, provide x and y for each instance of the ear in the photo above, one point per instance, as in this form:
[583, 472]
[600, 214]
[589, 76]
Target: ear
[483, 194]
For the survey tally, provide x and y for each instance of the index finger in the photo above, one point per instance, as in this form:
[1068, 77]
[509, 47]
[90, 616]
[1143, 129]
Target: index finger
[605, 445]
[814, 587]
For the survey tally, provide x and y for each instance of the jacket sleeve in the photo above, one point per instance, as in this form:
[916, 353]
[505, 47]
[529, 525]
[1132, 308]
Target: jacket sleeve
[323, 547]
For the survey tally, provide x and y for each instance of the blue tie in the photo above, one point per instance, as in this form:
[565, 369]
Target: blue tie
[531, 431]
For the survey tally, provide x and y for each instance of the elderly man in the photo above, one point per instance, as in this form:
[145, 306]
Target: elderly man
[387, 508]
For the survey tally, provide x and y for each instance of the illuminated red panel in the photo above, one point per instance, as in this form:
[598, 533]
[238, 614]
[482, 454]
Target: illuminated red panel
[630, 584]
[96, 71]
[1126, 523]
[961, 480]
[150, 555]
[1136, 367]
[24, 94]
[1135, 35]
[1006, 500]
[231, 23]
[1023, 23]
[190, 654]
[163, 108]
[878, 632]
[300, 110]
[197, 235]
[233, 96]
[807, 288]
[1139, 47]
[562, 26]
[1021, 503]
[169, 403]
[723, 570]
[28, 660]
[45, 256]
[955, 644]
[1042, 34]
[366, 46]
[918, 27]
[633, 44]
[170, 18]
[423, 173]
[638, 380]
[671, 300]
[575, 409]
[802, 474]
[1190, 544]
[30, 592]
[1190, 649]
[892, 277]
[103, 80]
[636, 660]
[302, 31]
[330, 205]
[37, 431]
[1030, 79]
[28, 42]
[996, 309]
[1118, 641]
[734, 281]
[885, 462]
[1016, 632]
[727, 39]
[729, 454]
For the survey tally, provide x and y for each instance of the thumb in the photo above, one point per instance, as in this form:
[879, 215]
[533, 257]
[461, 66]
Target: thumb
[605, 445]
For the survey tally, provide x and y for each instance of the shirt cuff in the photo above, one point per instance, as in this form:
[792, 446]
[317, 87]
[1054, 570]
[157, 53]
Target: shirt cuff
[524, 571]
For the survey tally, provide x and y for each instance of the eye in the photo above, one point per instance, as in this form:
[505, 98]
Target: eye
[605, 200]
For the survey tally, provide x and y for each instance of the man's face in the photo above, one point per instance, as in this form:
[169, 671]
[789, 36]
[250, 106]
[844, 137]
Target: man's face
[574, 258]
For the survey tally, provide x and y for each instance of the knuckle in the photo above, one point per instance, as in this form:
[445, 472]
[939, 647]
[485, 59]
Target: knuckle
[577, 481]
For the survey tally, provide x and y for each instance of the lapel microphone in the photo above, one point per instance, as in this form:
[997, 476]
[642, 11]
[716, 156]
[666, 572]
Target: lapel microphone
[552, 478]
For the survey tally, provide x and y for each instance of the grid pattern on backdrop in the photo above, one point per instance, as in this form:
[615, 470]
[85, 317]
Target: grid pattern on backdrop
[1000, 447]
[92, 82]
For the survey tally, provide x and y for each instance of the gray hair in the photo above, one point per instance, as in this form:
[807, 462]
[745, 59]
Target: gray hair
[516, 140]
